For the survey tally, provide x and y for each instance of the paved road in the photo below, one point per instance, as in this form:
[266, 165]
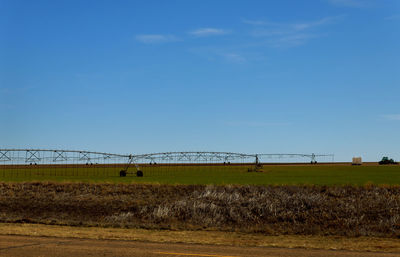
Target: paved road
[57, 247]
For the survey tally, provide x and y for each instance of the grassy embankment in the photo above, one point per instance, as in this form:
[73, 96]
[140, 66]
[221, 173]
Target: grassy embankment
[268, 210]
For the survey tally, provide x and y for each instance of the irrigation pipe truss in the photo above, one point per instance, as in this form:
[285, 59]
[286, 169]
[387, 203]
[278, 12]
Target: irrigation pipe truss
[54, 156]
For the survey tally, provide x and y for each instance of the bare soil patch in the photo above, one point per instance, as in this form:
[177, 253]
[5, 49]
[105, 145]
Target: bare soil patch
[58, 247]
[371, 244]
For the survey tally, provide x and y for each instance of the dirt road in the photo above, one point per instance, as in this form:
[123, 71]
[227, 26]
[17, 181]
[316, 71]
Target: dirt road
[50, 246]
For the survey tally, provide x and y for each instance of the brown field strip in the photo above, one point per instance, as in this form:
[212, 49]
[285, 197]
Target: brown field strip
[374, 244]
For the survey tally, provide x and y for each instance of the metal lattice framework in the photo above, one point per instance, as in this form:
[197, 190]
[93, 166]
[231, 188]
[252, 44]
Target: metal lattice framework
[313, 157]
[51, 156]
[192, 157]
[47, 156]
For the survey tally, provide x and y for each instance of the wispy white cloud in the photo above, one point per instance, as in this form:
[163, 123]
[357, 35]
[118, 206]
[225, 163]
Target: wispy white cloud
[350, 3]
[283, 28]
[295, 26]
[289, 34]
[313, 24]
[155, 38]
[393, 17]
[391, 116]
[204, 32]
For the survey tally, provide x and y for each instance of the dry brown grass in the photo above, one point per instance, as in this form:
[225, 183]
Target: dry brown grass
[273, 210]
[206, 237]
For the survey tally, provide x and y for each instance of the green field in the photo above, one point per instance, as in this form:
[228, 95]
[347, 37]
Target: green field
[272, 174]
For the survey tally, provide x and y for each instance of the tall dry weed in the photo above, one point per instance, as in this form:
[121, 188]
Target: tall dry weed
[337, 210]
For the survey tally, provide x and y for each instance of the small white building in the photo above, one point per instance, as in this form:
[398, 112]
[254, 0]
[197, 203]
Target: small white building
[356, 161]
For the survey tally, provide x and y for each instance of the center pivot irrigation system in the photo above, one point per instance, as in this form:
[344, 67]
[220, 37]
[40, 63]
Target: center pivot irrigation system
[11, 158]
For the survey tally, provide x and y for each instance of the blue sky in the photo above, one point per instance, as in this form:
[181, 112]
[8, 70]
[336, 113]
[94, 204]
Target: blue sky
[317, 76]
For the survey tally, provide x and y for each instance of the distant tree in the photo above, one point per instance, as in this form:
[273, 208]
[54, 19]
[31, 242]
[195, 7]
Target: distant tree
[386, 160]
